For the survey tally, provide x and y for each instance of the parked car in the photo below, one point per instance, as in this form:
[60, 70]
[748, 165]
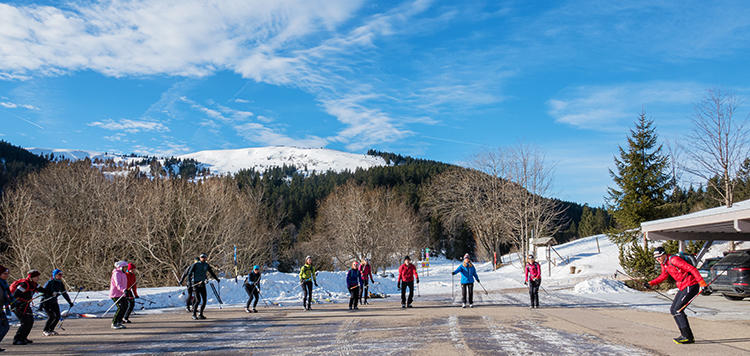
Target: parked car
[705, 271]
[734, 275]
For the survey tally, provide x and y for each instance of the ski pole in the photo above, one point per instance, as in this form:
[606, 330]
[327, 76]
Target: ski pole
[123, 294]
[657, 292]
[68, 311]
[453, 283]
[701, 290]
[485, 290]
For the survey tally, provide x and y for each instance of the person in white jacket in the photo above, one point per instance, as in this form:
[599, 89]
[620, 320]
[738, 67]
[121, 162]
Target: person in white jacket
[117, 286]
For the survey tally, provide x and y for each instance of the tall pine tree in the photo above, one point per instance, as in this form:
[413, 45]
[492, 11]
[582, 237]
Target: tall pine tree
[642, 177]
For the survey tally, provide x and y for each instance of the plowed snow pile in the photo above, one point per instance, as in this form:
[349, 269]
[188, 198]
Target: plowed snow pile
[601, 286]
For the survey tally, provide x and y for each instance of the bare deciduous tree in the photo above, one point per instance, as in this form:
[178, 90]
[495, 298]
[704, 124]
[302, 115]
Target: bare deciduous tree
[718, 142]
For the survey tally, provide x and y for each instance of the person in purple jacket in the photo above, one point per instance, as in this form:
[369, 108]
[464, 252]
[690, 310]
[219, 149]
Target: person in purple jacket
[354, 284]
[366, 271]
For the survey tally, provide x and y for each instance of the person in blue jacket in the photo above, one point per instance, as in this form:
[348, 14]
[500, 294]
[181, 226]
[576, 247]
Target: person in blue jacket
[468, 274]
[354, 284]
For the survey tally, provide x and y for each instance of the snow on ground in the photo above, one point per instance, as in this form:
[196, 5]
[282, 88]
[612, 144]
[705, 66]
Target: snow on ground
[593, 279]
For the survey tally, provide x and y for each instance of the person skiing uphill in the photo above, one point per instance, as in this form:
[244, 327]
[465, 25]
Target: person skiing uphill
[252, 288]
[198, 277]
[23, 293]
[306, 280]
[533, 273]
[131, 293]
[52, 289]
[468, 274]
[354, 284]
[407, 272]
[118, 285]
[689, 282]
[366, 271]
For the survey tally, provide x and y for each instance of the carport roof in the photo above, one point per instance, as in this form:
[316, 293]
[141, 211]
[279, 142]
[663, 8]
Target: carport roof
[718, 224]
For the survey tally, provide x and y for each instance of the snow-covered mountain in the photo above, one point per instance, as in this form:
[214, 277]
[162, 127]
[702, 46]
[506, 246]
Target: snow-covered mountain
[307, 160]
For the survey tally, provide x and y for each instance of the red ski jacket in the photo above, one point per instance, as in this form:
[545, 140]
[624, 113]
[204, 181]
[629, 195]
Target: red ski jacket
[366, 272]
[684, 273]
[407, 273]
[533, 271]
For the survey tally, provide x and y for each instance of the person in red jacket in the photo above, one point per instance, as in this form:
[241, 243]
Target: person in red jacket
[689, 282]
[533, 280]
[366, 271]
[131, 293]
[407, 272]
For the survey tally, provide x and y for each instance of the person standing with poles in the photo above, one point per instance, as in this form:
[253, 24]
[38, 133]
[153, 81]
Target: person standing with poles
[189, 298]
[689, 282]
[407, 273]
[306, 280]
[23, 292]
[5, 299]
[198, 277]
[366, 271]
[353, 284]
[252, 288]
[533, 278]
[118, 286]
[131, 293]
[468, 274]
[52, 289]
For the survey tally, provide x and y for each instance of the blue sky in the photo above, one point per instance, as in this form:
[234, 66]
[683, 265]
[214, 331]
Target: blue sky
[430, 79]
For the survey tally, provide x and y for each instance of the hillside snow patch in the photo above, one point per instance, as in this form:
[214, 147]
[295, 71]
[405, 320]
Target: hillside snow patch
[601, 286]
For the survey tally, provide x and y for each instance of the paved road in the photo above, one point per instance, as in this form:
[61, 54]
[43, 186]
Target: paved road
[498, 325]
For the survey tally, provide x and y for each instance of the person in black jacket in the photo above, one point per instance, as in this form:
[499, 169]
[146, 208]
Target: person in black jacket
[5, 299]
[24, 293]
[252, 288]
[197, 276]
[189, 298]
[52, 289]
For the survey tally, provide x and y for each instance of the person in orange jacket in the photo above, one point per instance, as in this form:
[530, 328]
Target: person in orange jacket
[689, 282]
[407, 272]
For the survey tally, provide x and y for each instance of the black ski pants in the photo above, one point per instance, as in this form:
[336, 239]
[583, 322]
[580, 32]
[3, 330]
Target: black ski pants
[122, 306]
[534, 291]
[405, 285]
[53, 315]
[252, 293]
[365, 290]
[129, 308]
[199, 297]
[27, 322]
[467, 288]
[307, 293]
[354, 296]
[189, 299]
[680, 300]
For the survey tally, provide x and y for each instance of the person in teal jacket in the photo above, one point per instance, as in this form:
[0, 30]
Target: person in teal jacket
[468, 274]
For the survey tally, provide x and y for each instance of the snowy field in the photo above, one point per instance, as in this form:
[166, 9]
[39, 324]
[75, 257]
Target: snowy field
[593, 280]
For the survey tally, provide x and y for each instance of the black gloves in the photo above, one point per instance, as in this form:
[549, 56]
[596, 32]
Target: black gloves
[316, 283]
[646, 285]
[478, 280]
[71, 304]
[526, 283]
[417, 280]
[399, 285]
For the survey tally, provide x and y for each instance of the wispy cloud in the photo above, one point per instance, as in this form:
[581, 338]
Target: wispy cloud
[243, 101]
[609, 108]
[130, 126]
[259, 133]
[10, 105]
[167, 149]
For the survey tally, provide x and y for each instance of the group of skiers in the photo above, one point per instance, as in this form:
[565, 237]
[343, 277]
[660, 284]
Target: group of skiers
[123, 291]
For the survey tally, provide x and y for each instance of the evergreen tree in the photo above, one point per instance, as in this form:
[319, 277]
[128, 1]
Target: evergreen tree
[641, 177]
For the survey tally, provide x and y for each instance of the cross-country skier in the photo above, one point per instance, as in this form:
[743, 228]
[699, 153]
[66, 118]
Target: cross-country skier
[5, 299]
[118, 285]
[198, 277]
[366, 270]
[533, 274]
[52, 289]
[131, 293]
[306, 279]
[252, 288]
[407, 272]
[354, 284]
[189, 298]
[468, 274]
[23, 294]
[689, 282]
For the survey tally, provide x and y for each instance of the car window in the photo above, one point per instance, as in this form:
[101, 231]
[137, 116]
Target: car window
[735, 258]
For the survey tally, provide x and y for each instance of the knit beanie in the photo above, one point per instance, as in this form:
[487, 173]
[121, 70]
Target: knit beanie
[55, 272]
[131, 266]
[34, 273]
[2, 269]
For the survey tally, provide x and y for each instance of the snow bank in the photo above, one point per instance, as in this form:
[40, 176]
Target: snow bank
[601, 286]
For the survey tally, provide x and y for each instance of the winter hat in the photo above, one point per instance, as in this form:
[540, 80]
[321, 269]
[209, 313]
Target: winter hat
[131, 266]
[407, 258]
[355, 264]
[659, 251]
[2, 269]
[203, 255]
[55, 272]
[531, 256]
[308, 258]
[256, 267]
[467, 257]
[34, 273]
[121, 264]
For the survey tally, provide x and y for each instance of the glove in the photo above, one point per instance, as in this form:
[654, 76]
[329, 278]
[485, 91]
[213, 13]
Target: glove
[526, 283]
[703, 290]
[646, 285]
[478, 280]
[399, 285]
[7, 311]
[316, 284]
[417, 280]
[71, 304]
[454, 273]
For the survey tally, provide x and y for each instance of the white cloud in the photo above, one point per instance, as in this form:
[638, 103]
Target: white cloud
[262, 118]
[241, 101]
[130, 126]
[609, 108]
[167, 149]
[10, 105]
[261, 134]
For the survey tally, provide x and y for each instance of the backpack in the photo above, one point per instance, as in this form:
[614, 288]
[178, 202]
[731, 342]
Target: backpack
[688, 258]
[16, 283]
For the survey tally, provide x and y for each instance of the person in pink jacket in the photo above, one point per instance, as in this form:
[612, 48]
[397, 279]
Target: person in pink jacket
[117, 286]
[533, 273]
